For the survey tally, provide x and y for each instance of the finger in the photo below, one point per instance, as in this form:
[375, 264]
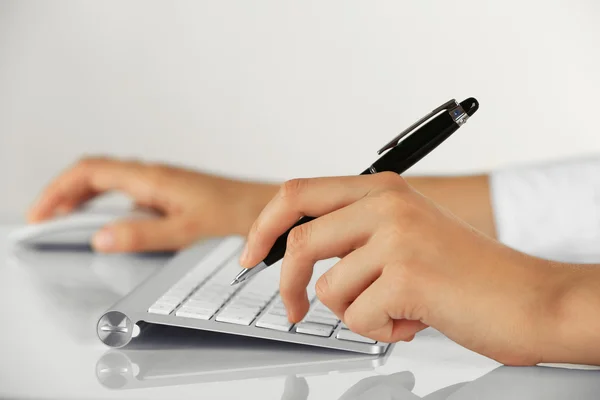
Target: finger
[300, 197]
[141, 236]
[51, 199]
[369, 315]
[345, 281]
[317, 240]
[69, 205]
[89, 178]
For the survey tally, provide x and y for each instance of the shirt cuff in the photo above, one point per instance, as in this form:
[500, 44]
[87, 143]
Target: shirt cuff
[550, 211]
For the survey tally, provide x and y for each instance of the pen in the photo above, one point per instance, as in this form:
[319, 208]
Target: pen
[401, 153]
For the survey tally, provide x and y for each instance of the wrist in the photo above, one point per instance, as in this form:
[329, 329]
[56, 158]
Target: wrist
[572, 324]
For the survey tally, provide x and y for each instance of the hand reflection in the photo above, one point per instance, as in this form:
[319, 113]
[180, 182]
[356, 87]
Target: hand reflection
[397, 386]
[529, 383]
[532, 383]
[295, 388]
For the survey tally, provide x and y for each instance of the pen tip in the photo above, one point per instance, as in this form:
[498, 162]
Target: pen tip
[234, 282]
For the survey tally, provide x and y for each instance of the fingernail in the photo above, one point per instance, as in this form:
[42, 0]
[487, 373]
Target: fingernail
[244, 255]
[291, 318]
[104, 240]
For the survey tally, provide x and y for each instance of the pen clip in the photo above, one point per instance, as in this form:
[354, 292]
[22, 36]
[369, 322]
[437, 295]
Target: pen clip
[450, 104]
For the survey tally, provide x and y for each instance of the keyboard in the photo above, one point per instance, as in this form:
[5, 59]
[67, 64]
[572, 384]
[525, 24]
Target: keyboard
[193, 291]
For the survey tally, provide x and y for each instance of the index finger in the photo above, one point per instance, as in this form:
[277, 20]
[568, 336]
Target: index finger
[88, 178]
[305, 197]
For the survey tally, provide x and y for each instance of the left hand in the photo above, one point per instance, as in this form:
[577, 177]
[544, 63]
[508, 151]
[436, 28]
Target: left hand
[405, 264]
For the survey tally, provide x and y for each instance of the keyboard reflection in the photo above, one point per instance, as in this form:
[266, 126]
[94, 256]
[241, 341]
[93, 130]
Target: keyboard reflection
[166, 356]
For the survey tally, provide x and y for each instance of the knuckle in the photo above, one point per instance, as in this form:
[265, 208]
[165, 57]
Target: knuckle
[391, 179]
[257, 233]
[287, 289]
[397, 207]
[87, 162]
[298, 238]
[292, 188]
[408, 338]
[418, 312]
[353, 321]
[323, 288]
[133, 161]
[131, 239]
[190, 228]
[151, 165]
[156, 174]
[255, 230]
[386, 202]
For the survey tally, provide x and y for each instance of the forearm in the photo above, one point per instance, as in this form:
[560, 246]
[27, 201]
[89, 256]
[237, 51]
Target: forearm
[252, 198]
[572, 334]
[468, 197]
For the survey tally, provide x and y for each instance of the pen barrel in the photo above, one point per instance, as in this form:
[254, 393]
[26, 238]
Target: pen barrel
[400, 158]
[278, 250]
[416, 146]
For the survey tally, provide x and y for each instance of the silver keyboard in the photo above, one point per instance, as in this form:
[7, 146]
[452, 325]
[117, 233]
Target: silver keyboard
[201, 298]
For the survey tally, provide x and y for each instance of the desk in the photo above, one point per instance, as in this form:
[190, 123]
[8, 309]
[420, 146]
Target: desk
[51, 301]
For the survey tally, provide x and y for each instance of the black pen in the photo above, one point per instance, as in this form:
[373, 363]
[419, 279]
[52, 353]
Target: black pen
[405, 150]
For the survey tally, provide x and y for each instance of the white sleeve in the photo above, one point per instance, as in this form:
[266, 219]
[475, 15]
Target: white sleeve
[550, 211]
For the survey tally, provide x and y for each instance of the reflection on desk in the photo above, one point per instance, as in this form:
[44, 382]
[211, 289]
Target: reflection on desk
[172, 356]
[63, 292]
[166, 356]
[506, 383]
[80, 284]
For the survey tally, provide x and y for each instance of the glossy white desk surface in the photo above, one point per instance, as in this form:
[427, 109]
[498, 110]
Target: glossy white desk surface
[50, 302]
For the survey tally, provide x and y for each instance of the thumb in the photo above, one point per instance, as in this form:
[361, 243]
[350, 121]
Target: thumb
[141, 236]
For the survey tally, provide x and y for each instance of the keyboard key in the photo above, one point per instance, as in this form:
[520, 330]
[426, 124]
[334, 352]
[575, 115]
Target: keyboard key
[278, 311]
[321, 320]
[322, 313]
[184, 286]
[176, 293]
[168, 301]
[322, 310]
[160, 308]
[242, 308]
[194, 313]
[202, 296]
[275, 322]
[346, 334]
[167, 297]
[249, 302]
[224, 250]
[209, 305]
[314, 329]
[180, 290]
[238, 319]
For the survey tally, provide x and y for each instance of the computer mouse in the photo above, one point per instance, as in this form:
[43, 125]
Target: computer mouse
[75, 229]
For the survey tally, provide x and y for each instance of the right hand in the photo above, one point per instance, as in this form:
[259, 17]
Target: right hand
[192, 204]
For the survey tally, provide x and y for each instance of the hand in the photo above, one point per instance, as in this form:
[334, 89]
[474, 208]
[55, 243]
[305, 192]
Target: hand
[193, 204]
[405, 264]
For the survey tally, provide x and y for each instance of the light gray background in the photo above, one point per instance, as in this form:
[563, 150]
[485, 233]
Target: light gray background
[276, 89]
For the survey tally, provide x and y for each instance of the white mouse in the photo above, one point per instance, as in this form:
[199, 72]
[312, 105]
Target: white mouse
[74, 229]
